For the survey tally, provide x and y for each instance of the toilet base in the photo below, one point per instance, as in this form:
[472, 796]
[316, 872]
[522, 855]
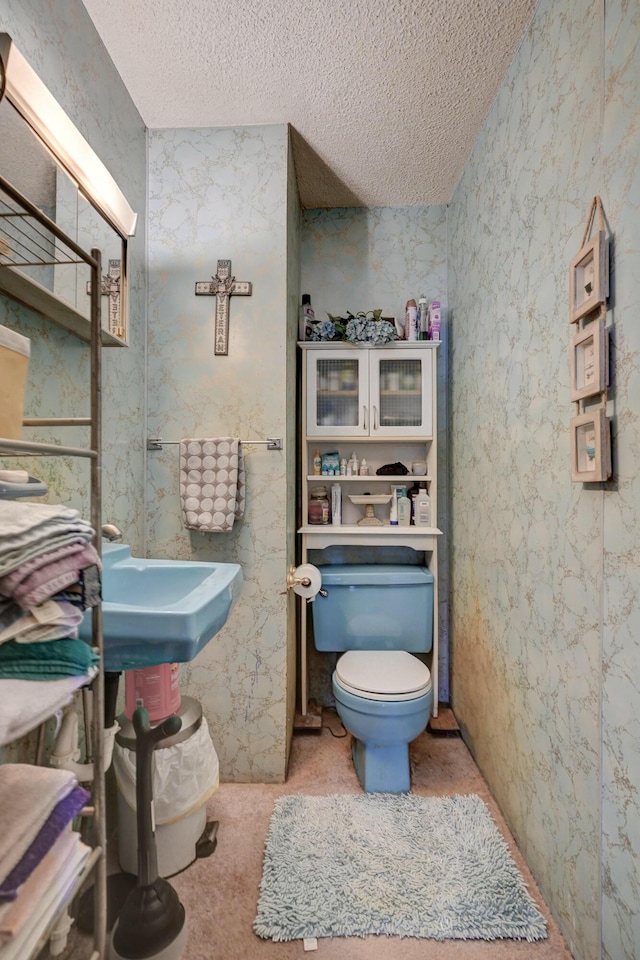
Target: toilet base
[382, 768]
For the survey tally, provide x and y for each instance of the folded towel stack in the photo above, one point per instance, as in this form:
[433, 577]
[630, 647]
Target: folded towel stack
[30, 529]
[212, 483]
[49, 574]
[49, 571]
[39, 857]
[46, 661]
[49, 884]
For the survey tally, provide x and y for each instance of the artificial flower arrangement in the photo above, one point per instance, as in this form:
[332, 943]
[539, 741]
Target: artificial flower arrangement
[358, 327]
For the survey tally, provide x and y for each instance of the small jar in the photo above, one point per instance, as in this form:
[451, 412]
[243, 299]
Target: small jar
[318, 506]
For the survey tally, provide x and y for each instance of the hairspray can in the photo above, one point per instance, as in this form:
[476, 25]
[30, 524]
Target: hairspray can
[411, 329]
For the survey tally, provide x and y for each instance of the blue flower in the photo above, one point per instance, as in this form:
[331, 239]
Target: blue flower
[364, 329]
[325, 330]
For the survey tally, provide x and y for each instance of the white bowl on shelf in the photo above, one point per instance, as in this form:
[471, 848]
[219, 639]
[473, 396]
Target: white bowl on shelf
[361, 498]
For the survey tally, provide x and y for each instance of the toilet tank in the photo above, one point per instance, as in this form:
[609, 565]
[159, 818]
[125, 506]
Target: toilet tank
[374, 607]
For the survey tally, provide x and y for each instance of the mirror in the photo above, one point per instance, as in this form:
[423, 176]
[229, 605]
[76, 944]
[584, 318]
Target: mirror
[67, 182]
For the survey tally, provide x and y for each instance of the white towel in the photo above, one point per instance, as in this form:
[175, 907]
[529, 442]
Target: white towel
[25, 704]
[212, 483]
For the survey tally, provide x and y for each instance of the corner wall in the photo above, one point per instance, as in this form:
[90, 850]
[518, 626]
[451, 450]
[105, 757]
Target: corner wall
[355, 258]
[222, 194]
[545, 606]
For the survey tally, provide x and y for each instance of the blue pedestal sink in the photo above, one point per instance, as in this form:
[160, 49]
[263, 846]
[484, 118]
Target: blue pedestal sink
[160, 611]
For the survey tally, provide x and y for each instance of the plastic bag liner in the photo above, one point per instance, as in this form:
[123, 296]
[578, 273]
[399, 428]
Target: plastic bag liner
[184, 775]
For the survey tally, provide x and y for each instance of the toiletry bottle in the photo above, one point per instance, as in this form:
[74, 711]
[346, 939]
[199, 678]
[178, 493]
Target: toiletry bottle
[307, 318]
[422, 509]
[336, 504]
[404, 510]
[317, 464]
[411, 320]
[423, 319]
[434, 319]
[393, 513]
[343, 467]
[364, 469]
[355, 466]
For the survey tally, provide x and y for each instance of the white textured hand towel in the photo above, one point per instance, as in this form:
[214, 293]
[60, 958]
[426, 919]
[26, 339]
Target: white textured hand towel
[212, 483]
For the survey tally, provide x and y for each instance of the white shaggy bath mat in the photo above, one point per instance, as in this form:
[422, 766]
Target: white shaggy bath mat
[431, 867]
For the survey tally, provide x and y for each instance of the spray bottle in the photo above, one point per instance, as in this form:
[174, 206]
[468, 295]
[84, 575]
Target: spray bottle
[307, 318]
[411, 329]
[423, 318]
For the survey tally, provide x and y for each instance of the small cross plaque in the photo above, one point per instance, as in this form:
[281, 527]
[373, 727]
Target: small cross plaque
[110, 287]
[222, 287]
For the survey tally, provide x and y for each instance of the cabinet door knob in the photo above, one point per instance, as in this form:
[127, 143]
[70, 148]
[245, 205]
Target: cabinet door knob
[364, 417]
[375, 418]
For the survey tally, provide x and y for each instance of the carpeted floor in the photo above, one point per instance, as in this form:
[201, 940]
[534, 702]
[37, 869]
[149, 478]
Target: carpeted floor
[220, 893]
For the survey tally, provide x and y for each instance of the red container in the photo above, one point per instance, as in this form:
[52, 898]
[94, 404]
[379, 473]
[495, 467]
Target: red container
[155, 688]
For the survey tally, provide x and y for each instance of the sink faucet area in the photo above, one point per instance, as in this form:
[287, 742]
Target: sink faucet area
[160, 611]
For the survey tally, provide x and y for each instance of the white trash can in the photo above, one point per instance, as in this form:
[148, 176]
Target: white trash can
[186, 774]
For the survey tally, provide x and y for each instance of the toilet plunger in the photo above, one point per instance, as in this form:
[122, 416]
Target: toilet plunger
[152, 923]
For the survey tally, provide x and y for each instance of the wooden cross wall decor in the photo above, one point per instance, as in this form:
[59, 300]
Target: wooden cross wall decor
[222, 287]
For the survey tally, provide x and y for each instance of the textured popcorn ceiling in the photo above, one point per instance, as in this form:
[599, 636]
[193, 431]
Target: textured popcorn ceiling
[386, 98]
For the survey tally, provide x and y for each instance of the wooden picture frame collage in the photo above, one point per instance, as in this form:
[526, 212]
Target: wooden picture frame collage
[589, 355]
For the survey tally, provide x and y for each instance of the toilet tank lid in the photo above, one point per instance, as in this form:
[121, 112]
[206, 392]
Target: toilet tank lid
[347, 574]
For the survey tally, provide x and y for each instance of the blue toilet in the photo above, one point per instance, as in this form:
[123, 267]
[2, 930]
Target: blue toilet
[378, 616]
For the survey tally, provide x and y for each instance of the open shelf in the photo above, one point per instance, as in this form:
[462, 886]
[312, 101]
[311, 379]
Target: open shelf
[34, 295]
[31, 243]
[376, 478]
[29, 240]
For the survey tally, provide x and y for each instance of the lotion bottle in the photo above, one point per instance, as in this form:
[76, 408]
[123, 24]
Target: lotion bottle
[336, 504]
[422, 509]
[393, 515]
[404, 510]
[434, 319]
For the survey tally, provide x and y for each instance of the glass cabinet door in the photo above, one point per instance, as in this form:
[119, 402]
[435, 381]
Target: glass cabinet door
[401, 392]
[337, 393]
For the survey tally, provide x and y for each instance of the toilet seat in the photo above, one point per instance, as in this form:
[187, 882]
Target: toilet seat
[383, 675]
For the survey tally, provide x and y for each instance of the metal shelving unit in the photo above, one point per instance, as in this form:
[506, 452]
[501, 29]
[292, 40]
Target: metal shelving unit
[37, 237]
[28, 240]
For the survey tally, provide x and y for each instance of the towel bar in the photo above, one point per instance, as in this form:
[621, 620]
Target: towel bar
[157, 443]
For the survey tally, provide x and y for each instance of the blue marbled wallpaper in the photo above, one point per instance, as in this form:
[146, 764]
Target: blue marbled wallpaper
[545, 610]
[223, 194]
[368, 259]
[61, 44]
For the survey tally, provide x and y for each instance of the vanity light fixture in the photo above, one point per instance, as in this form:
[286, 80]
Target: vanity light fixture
[25, 90]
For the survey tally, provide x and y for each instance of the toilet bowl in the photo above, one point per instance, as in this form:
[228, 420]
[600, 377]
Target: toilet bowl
[378, 616]
[384, 699]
